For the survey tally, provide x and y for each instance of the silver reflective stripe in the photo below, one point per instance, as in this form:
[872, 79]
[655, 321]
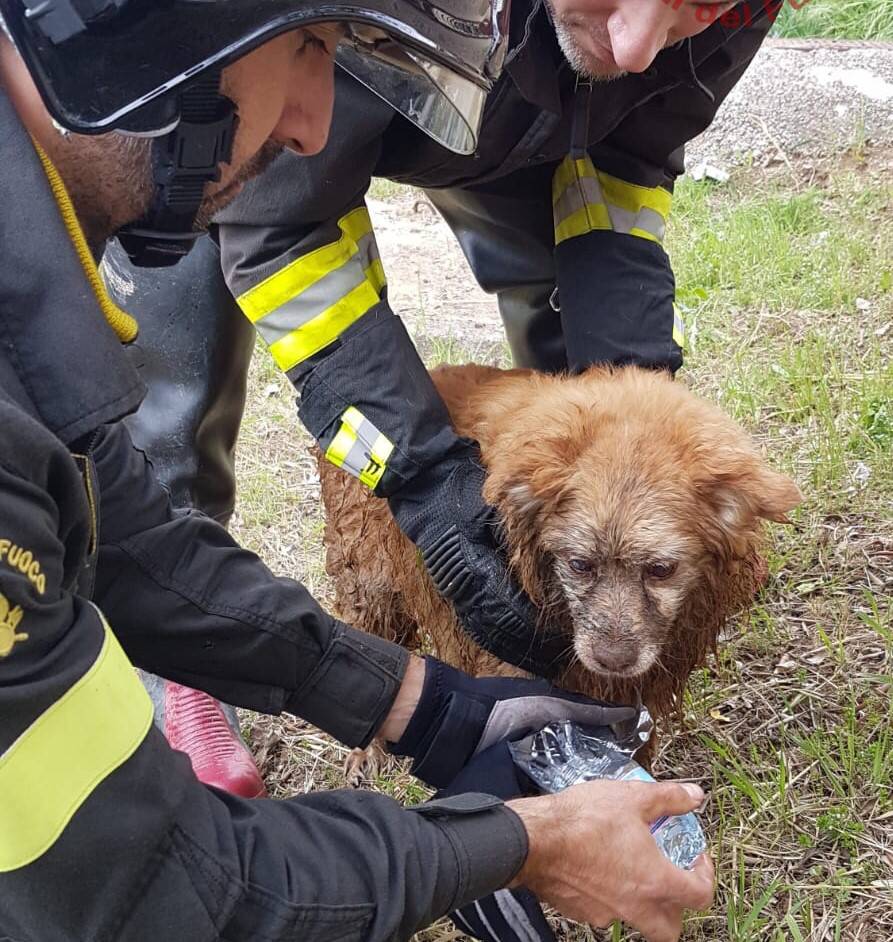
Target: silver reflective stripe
[311, 302]
[357, 458]
[575, 196]
[456, 916]
[485, 921]
[513, 913]
[645, 219]
[367, 249]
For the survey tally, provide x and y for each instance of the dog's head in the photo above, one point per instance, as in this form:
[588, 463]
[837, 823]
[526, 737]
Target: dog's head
[628, 504]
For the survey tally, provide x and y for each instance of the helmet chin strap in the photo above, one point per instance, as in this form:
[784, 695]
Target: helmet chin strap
[183, 162]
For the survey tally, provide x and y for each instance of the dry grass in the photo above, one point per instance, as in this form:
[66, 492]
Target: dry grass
[791, 729]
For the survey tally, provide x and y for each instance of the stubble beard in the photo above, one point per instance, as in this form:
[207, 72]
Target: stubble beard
[254, 167]
[578, 58]
[109, 180]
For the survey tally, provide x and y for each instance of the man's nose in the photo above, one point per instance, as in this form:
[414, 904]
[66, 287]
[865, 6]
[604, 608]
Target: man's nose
[638, 32]
[307, 115]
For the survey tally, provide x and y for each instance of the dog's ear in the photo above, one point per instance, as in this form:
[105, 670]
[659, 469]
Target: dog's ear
[528, 481]
[742, 489]
[526, 486]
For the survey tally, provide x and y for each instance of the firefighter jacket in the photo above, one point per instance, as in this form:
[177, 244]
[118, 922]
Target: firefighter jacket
[567, 197]
[105, 833]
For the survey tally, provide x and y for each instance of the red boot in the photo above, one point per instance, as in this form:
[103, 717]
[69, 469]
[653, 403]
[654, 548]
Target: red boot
[195, 723]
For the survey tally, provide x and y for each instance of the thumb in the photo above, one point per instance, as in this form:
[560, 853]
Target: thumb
[658, 798]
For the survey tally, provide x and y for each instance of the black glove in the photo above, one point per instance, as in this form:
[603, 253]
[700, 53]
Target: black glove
[443, 512]
[506, 915]
[432, 479]
[459, 716]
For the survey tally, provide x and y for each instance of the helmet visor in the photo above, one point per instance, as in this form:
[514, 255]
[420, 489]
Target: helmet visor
[442, 103]
[436, 69]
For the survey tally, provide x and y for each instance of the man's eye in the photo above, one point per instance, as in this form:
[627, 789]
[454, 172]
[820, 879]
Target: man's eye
[311, 41]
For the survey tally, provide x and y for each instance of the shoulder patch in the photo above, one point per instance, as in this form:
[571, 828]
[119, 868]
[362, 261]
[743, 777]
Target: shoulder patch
[9, 622]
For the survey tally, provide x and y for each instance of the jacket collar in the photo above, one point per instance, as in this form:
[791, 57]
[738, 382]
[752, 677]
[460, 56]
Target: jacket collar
[534, 59]
[52, 331]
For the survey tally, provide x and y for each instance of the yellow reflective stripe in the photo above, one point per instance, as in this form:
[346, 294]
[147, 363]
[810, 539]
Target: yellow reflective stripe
[341, 445]
[569, 171]
[375, 276]
[678, 326]
[54, 766]
[593, 216]
[632, 198]
[306, 305]
[311, 337]
[569, 194]
[356, 223]
[644, 234]
[360, 448]
[295, 278]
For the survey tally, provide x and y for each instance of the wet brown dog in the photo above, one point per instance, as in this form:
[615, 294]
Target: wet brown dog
[633, 511]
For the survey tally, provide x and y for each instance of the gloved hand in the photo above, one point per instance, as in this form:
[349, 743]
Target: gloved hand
[444, 513]
[506, 915]
[458, 716]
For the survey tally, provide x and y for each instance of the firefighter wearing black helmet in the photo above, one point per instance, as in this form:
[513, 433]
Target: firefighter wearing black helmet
[105, 833]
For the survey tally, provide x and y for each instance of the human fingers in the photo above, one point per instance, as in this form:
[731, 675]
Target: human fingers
[659, 798]
[658, 923]
[690, 889]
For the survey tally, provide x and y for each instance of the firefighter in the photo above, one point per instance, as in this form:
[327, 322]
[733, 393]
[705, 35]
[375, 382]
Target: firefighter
[144, 118]
[560, 209]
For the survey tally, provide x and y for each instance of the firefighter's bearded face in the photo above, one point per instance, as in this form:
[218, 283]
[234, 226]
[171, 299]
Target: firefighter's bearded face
[605, 39]
[284, 93]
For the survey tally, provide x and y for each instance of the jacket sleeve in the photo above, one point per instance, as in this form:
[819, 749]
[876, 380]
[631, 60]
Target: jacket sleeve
[299, 254]
[95, 805]
[611, 205]
[188, 603]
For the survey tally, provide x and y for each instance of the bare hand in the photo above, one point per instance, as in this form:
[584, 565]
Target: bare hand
[593, 857]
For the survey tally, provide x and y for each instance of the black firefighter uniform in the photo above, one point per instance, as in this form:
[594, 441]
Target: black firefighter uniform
[105, 833]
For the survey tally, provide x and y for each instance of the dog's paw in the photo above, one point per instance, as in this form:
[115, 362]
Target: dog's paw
[363, 765]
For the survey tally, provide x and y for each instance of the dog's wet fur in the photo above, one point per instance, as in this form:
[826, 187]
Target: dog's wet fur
[632, 510]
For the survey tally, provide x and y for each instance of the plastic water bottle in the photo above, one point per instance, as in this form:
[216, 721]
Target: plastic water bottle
[565, 754]
[679, 836]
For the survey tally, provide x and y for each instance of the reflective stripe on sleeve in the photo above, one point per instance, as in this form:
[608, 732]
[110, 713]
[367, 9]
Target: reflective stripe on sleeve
[54, 766]
[678, 326]
[585, 199]
[359, 448]
[304, 306]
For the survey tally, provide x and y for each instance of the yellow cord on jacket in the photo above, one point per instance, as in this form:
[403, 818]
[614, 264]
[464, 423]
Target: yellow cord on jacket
[122, 323]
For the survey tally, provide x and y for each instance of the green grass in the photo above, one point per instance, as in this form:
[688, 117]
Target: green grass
[837, 19]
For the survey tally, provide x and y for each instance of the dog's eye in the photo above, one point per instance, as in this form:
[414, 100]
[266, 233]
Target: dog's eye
[580, 565]
[660, 570]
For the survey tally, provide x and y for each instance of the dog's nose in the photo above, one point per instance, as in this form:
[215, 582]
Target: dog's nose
[615, 659]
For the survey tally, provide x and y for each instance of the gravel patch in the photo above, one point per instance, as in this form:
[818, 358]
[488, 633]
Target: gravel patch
[803, 98]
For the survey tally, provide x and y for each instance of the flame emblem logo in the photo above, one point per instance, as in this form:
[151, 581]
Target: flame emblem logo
[9, 622]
